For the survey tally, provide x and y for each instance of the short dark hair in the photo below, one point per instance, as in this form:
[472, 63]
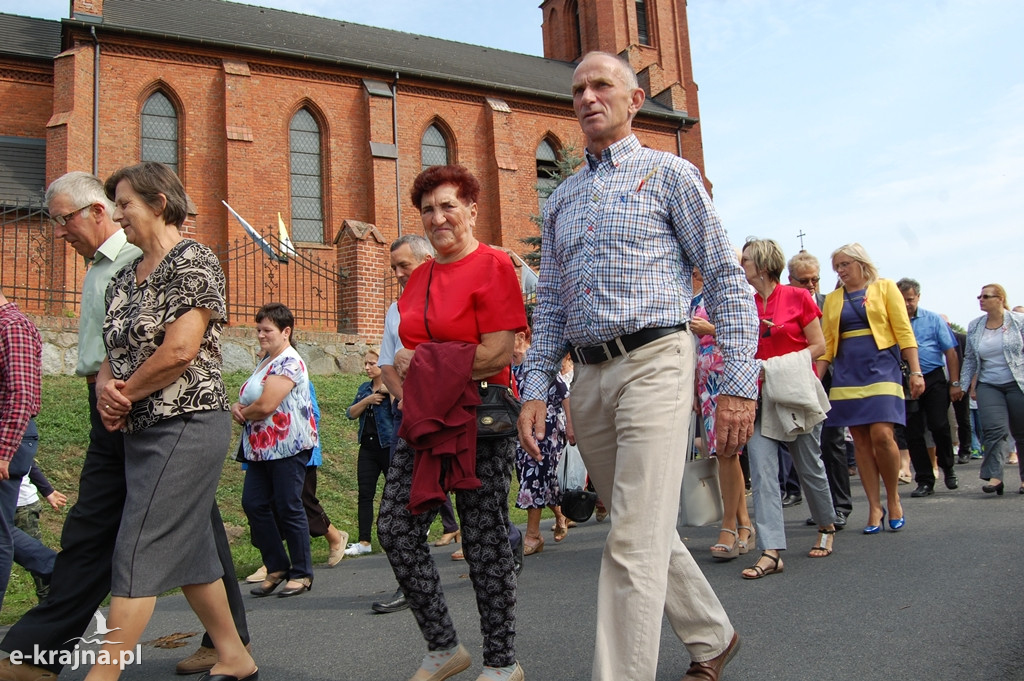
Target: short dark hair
[277, 314]
[151, 181]
[467, 186]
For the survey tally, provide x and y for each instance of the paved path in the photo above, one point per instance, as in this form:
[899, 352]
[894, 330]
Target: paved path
[939, 600]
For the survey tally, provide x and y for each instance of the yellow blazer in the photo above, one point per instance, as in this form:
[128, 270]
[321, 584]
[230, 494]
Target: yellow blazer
[886, 315]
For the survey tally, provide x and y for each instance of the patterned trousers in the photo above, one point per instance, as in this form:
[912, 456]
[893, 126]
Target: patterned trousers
[484, 516]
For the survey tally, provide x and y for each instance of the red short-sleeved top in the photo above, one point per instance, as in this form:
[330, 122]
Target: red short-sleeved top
[782, 319]
[467, 298]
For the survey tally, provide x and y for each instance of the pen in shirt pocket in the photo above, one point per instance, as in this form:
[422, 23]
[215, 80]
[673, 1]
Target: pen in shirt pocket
[648, 176]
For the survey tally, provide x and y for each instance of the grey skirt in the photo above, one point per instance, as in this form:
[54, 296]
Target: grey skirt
[172, 469]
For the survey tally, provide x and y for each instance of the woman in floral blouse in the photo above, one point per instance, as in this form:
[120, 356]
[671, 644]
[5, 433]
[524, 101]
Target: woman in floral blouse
[278, 436]
[161, 385]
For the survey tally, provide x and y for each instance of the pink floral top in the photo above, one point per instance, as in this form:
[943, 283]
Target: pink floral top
[292, 427]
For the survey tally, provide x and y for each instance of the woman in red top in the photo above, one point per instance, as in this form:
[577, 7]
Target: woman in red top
[788, 323]
[468, 294]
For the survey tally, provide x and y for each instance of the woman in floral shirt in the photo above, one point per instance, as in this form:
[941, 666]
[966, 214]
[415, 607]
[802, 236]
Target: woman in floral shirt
[278, 437]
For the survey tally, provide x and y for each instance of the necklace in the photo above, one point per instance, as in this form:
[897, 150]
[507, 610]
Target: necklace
[993, 328]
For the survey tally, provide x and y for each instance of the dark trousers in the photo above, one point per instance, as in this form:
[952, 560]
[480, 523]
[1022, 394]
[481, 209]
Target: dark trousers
[932, 413]
[789, 480]
[81, 571]
[962, 412]
[274, 488]
[15, 545]
[833, 455]
[485, 540]
[373, 462]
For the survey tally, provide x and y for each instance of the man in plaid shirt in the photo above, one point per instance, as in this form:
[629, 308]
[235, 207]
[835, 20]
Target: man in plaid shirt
[21, 372]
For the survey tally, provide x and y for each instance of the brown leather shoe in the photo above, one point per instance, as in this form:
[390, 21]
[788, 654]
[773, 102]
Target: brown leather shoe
[24, 672]
[711, 670]
[200, 661]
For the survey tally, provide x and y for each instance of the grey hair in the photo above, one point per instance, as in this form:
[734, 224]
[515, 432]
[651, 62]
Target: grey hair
[627, 69]
[801, 260]
[81, 188]
[420, 247]
[907, 284]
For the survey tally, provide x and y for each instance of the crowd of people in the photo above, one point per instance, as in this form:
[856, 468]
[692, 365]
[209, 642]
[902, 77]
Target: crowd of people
[623, 344]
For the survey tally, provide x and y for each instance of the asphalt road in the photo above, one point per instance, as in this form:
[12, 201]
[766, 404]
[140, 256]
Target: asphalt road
[939, 600]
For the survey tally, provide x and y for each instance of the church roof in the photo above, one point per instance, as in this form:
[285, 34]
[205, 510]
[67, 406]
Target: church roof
[28, 37]
[302, 36]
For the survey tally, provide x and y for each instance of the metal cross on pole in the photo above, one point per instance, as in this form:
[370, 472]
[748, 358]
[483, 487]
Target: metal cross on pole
[801, 236]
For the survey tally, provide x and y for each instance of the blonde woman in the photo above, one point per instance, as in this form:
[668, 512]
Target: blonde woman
[994, 370]
[867, 330]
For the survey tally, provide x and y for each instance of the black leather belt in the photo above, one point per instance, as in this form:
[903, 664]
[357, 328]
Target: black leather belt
[595, 354]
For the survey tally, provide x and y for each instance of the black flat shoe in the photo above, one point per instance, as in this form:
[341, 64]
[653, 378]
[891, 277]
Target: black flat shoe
[267, 586]
[998, 489]
[227, 677]
[305, 584]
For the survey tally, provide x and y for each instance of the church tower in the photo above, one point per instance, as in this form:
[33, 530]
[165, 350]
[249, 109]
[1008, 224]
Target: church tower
[652, 34]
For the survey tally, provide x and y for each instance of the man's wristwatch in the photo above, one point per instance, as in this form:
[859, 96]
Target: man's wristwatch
[954, 384]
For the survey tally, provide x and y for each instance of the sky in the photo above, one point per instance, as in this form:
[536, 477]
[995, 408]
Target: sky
[899, 125]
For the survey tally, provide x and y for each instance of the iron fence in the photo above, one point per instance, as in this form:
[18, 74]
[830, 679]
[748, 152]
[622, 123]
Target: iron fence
[42, 274]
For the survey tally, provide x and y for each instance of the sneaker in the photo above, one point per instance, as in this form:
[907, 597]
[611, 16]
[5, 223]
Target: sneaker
[358, 549]
[976, 454]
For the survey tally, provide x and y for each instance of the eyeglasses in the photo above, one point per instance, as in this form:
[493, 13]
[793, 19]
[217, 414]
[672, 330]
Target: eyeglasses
[63, 219]
[985, 296]
[808, 280]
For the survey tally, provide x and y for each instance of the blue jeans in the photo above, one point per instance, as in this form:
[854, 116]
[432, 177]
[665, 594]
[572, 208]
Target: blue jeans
[1001, 409]
[279, 483]
[15, 545]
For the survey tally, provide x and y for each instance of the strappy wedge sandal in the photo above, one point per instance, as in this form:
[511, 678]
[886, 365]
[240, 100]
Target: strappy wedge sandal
[757, 572]
[746, 545]
[724, 552]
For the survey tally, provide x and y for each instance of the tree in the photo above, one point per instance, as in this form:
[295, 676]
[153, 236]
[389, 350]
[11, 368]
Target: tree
[568, 161]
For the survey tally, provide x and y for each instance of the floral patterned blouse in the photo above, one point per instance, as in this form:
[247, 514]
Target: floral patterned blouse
[188, 277]
[292, 427]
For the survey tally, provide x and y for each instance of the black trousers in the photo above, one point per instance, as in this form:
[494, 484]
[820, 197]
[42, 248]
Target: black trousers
[962, 412]
[932, 413]
[833, 455]
[81, 572]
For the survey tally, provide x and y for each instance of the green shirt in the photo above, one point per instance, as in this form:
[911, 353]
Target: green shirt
[110, 257]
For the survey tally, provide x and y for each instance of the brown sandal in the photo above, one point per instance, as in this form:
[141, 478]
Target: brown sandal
[758, 572]
[530, 549]
[824, 543]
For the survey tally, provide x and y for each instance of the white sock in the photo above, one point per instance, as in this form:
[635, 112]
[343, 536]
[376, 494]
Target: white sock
[435, 659]
[498, 673]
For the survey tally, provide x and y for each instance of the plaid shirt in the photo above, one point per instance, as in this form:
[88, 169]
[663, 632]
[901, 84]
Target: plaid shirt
[621, 237]
[21, 372]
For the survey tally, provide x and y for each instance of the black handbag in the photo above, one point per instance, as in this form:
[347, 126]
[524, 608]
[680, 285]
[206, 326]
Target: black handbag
[577, 503]
[497, 414]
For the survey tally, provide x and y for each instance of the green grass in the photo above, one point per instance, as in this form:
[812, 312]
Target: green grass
[64, 435]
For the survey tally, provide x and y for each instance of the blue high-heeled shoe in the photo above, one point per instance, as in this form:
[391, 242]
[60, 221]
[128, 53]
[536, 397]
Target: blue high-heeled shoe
[896, 524]
[875, 529]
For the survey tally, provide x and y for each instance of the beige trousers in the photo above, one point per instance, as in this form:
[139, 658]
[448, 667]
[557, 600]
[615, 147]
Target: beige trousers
[631, 416]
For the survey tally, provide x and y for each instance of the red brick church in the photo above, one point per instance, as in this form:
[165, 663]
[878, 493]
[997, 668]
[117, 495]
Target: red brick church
[325, 122]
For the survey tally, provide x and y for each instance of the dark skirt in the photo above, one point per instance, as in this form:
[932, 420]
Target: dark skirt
[172, 469]
[867, 385]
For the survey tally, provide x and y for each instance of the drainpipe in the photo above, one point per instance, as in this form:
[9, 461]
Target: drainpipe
[95, 102]
[394, 133]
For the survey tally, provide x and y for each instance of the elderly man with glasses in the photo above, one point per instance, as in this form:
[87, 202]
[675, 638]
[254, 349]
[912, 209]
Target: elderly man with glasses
[805, 272]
